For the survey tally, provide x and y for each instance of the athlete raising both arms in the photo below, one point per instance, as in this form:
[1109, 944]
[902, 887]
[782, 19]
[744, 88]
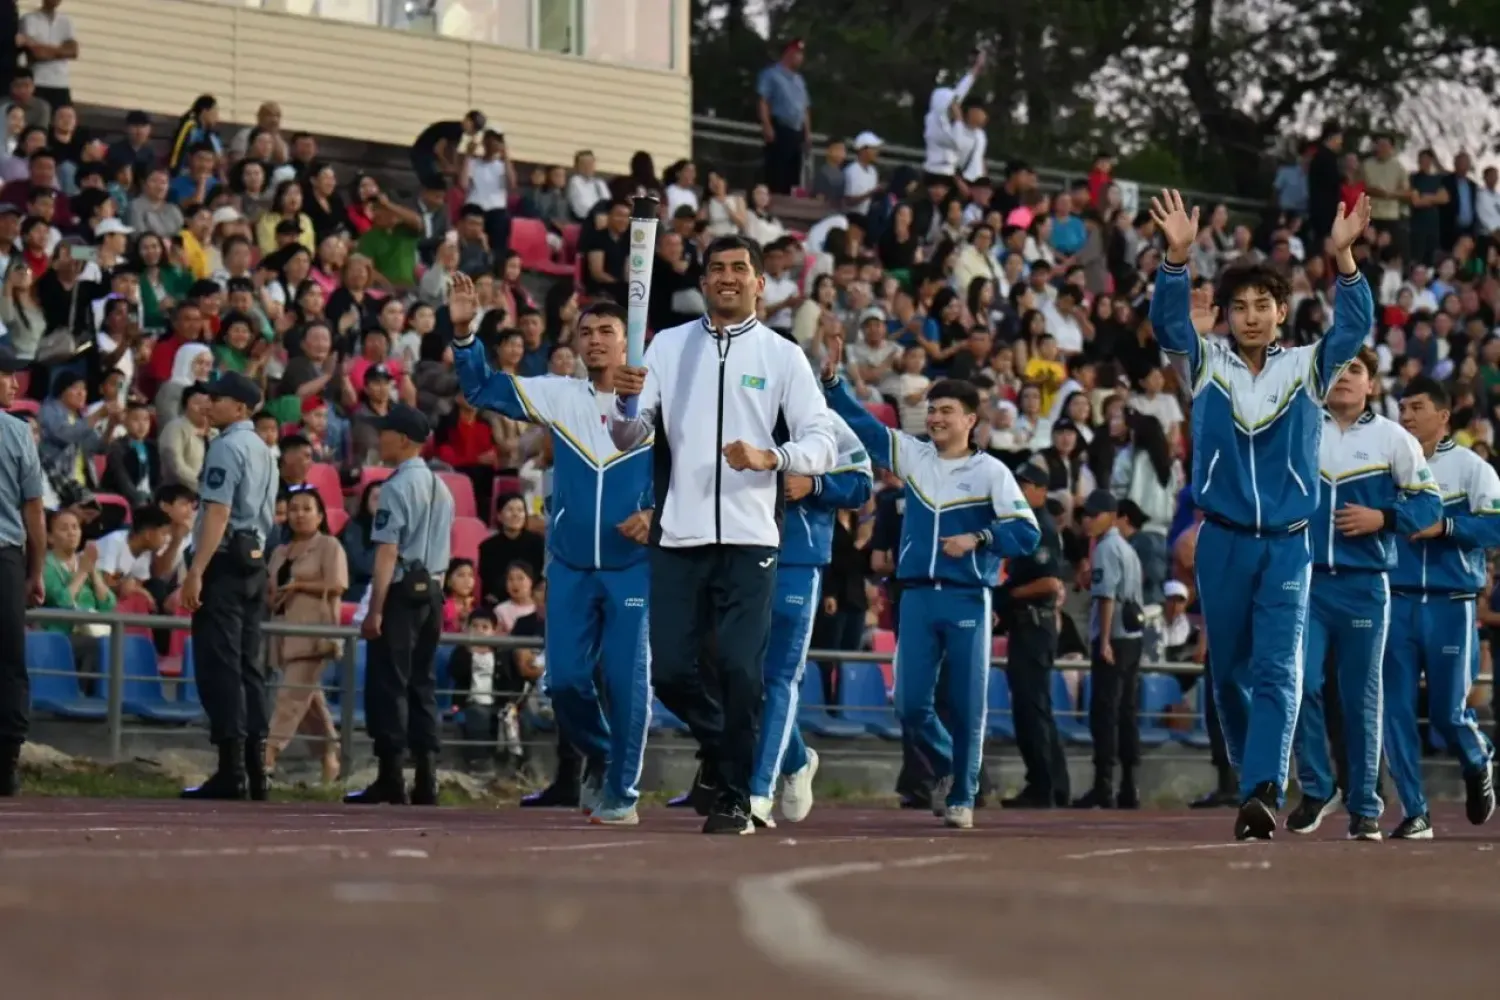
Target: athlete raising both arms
[1257, 423]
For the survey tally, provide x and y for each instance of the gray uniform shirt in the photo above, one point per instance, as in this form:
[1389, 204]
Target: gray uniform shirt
[239, 472]
[1116, 577]
[20, 477]
[416, 513]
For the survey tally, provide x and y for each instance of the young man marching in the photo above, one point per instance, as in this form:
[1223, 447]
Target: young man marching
[597, 583]
[812, 502]
[1439, 573]
[964, 513]
[1257, 421]
[1374, 487]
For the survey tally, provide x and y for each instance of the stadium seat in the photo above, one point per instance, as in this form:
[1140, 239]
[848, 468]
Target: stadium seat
[22, 405]
[1073, 727]
[1159, 692]
[462, 488]
[528, 237]
[347, 611]
[338, 517]
[331, 680]
[663, 719]
[369, 474]
[885, 413]
[884, 641]
[330, 487]
[812, 710]
[57, 691]
[863, 701]
[143, 695]
[468, 533]
[571, 234]
[441, 677]
[1000, 723]
[114, 500]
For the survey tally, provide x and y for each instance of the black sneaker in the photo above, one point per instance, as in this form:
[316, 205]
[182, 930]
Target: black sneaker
[704, 794]
[554, 796]
[1028, 798]
[729, 817]
[1363, 828]
[1095, 798]
[1479, 795]
[1257, 816]
[1310, 813]
[10, 771]
[1218, 799]
[1414, 828]
[1129, 797]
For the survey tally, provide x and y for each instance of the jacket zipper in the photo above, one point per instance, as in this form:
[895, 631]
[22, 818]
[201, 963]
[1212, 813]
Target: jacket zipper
[723, 348]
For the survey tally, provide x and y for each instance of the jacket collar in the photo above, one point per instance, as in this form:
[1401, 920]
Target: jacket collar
[733, 331]
[1364, 418]
[1446, 444]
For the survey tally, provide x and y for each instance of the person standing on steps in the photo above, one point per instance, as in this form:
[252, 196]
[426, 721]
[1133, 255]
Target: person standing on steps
[225, 589]
[23, 552]
[413, 525]
[734, 408]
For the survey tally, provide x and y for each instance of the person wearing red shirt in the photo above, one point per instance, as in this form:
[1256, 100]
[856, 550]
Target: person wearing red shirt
[1352, 187]
[466, 442]
[1100, 178]
[187, 328]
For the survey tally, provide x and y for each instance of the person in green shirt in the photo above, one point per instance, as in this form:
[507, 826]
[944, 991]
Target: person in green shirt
[391, 242]
[163, 282]
[72, 581]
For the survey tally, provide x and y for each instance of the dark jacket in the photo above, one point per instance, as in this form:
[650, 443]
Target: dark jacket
[123, 472]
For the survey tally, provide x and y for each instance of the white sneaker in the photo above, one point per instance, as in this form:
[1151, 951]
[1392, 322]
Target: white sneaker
[958, 818]
[760, 811]
[615, 816]
[797, 790]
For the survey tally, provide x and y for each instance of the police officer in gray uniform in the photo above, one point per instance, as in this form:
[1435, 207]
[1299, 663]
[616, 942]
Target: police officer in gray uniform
[225, 589]
[23, 547]
[1032, 585]
[411, 536]
[1115, 644]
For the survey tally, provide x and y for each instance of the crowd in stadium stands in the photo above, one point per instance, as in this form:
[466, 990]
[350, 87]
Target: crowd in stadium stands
[138, 266]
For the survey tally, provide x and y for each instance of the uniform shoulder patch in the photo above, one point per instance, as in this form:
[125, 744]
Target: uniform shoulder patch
[1019, 504]
[1098, 575]
[382, 518]
[214, 478]
[1425, 475]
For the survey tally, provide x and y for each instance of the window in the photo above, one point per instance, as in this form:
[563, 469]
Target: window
[557, 25]
[637, 32]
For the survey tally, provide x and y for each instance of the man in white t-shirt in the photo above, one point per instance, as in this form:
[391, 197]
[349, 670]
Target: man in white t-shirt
[1064, 318]
[585, 188]
[781, 295]
[860, 175]
[125, 556]
[47, 38]
[1153, 402]
[875, 357]
[488, 177]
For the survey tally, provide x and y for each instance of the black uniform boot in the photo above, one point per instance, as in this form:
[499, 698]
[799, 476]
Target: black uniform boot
[388, 788]
[228, 782]
[256, 780]
[10, 774]
[424, 787]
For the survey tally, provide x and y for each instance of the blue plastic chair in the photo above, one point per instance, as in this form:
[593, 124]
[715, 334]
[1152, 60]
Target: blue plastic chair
[812, 711]
[142, 687]
[862, 699]
[1159, 692]
[57, 691]
[444, 679]
[1072, 727]
[331, 679]
[663, 719]
[1002, 720]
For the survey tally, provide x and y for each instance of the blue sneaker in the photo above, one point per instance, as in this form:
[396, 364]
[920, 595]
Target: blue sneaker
[615, 816]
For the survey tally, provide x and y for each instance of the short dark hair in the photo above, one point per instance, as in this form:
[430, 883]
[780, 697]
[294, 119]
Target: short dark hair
[1425, 385]
[146, 517]
[1369, 360]
[731, 243]
[170, 493]
[1245, 276]
[963, 392]
[610, 310]
[291, 441]
[265, 415]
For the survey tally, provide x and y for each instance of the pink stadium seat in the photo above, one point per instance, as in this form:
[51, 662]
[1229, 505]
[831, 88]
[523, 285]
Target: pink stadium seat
[528, 237]
[326, 478]
[468, 532]
[884, 412]
[115, 500]
[572, 233]
[20, 405]
[369, 474]
[337, 518]
[347, 611]
[462, 488]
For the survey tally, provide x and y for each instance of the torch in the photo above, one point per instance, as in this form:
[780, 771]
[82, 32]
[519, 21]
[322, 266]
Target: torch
[643, 216]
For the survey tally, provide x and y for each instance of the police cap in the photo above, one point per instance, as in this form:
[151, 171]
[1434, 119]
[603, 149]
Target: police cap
[407, 421]
[237, 387]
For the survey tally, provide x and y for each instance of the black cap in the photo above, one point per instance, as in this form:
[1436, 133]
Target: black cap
[237, 387]
[407, 421]
[6, 208]
[10, 363]
[1064, 424]
[378, 372]
[1033, 474]
[1100, 502]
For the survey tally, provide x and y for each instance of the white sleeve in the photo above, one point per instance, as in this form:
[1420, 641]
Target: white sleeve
[1408, 465]
[627, 432]
[812, 449]
[852, 453]
[1484, 487]
[1005, 494]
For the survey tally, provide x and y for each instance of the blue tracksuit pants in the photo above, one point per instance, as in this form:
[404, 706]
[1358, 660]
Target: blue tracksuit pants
[1433, 634]
[1349, 612]
[597, 619]
[951, 622]
[1254, 591]
[780, 749]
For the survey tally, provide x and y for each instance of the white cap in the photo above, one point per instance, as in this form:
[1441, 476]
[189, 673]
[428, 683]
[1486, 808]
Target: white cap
[871, 312]
[226, 214]
[1175, 588]
[112, 227]
[867, 140]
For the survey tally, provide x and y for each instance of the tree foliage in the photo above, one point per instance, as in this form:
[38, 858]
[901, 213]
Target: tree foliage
[1215, 84]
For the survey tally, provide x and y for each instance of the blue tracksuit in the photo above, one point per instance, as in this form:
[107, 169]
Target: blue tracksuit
[1378, 465]
[1255, 476]
[806, 547]
[945, 600]
[597, 580]
[1435, 583]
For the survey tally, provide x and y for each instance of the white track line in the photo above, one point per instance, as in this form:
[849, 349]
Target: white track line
[1118, 852]
[789, 929]
[36, 853]
[603, 845]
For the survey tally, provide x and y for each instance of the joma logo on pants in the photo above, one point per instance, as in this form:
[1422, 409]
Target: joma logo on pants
[1362, 623]
[1292, 585]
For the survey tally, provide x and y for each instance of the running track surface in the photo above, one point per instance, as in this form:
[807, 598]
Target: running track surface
[161, 900]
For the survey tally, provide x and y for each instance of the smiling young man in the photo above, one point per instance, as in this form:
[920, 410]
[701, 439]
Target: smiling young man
[734, 409]
[597, 582]
[964, 513]
[1373, 487]
[1257, 421]
[1439, 574]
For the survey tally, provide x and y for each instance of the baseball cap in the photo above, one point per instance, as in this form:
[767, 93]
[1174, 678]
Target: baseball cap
[1175, 588]
[872, 312]
[407, 421]
[313, 402]
[379, 373]
[112, 227]
[236, 387]
[226, 214]
[10, 363]
[6, 208]
[1033, 475]
[868, 140]
[1100, 502]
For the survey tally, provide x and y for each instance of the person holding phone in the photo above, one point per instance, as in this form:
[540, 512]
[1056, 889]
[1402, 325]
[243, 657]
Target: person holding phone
[488, 177]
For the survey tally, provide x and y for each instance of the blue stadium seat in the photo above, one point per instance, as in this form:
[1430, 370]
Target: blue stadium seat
[57, 691]
[663, 719]
[331, 679]
[142, 686]
[444, 678]
[1197, 737]
[1159, 692]
[1073, 727]
[812, 710]
[1001, 723]
[862, 699]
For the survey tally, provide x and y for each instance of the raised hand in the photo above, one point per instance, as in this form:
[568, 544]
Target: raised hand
[463, 302]
[833, 352]
[1349, 226]
[1178, 226]
[1203, 311]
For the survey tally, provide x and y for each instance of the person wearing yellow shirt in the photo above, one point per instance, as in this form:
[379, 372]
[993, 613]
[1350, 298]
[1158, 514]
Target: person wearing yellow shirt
[196, 241]
[1046, 370]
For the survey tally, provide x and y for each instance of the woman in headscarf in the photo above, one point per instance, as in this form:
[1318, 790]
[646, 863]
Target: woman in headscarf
[193, 363]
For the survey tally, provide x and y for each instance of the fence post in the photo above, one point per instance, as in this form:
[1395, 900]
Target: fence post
[348, 706]
[115, 709]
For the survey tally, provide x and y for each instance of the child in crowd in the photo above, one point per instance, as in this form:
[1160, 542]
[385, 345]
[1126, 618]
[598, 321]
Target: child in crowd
[912, 388]
[459, 586]
[520, 581]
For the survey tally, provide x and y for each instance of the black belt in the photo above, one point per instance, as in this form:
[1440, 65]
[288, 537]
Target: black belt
[1277, 531]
